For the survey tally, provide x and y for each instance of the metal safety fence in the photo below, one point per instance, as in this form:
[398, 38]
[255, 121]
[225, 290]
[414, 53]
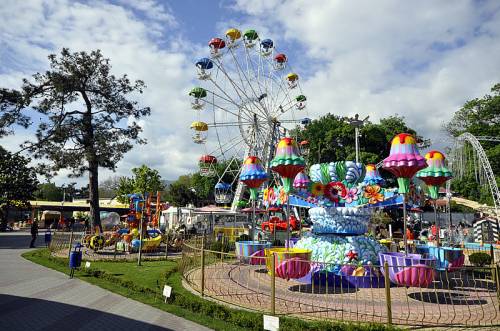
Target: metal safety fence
[409, 296]
[62, 242]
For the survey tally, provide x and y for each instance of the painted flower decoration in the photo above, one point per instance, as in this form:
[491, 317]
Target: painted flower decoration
[352, 195]
[272, 196]
[372, 193]
[317, 189]
[334, 191]
[283, 196]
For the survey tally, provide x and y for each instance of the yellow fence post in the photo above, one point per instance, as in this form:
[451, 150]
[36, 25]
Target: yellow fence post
[387, 293]
[273, 283]
[202, 266]
[222, 250]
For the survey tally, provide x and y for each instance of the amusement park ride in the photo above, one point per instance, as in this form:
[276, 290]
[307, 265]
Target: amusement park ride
[251, 93]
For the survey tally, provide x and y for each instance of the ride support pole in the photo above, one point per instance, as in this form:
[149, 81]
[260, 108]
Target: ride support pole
[492, 253]
[114, 252]
[436, 222]
[287, 221]
[405, 239]
[70, 242]
[273, 283]
[139, 256]
[202, 266]
[387, 283]
[252, 232]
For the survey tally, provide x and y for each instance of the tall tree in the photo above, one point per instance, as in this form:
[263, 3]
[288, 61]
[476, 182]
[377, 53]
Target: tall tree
[85, 109]
[17, 183]
[49, 192]
[331, 138]
[145, 179]
[11, 104]
[181, 193]
[480, 117]
[108, 188]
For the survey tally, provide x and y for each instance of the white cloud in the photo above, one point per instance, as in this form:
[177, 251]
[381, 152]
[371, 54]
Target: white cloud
[420, 59]
[34, 29]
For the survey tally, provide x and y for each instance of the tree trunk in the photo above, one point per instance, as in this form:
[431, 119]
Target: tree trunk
[94, 195]
[3, 218]
[93, 165]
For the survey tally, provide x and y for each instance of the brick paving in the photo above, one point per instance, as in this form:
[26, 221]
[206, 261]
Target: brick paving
[459, 300]
[36, 298]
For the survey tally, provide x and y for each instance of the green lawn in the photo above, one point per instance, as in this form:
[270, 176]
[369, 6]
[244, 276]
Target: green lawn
[145, 284]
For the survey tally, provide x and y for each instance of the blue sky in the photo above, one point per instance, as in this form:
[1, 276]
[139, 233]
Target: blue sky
[419, 59]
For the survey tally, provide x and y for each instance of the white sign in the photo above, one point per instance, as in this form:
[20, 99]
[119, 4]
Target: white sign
[167, 291]
[87, 264]
[271, 323]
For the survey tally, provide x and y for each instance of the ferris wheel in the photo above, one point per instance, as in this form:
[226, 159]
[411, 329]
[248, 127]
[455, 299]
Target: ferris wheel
[247, 99]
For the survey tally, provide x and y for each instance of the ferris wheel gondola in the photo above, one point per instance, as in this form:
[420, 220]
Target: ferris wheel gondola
[246, 102]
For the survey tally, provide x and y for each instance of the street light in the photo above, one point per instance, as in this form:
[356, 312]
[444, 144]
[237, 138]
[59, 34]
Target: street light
[357, 123]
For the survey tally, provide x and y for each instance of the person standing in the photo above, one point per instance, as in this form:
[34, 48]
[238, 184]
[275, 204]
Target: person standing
[34, 233]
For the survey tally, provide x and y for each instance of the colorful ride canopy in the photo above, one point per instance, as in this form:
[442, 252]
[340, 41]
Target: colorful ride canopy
[436, 173]
[287, 162]
[253, 175]
[404, 160]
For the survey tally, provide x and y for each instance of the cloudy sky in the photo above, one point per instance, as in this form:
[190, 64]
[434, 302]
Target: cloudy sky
[418, 59]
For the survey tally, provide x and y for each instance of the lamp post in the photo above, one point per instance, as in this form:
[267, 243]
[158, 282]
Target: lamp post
[357, 123]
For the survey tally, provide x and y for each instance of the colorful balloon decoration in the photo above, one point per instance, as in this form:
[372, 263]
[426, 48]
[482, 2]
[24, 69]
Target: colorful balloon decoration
[404, 160]
[287, 162]
[253, 175]
[436, 174]
[372, 176]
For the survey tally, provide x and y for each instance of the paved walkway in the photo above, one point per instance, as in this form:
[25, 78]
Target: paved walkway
[36, 298]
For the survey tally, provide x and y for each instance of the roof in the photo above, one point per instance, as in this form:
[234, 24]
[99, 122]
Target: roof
[212, 209]
[81, 203]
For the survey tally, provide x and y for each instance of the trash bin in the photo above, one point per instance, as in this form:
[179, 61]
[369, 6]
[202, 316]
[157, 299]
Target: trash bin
[75, 259]
[48, 238]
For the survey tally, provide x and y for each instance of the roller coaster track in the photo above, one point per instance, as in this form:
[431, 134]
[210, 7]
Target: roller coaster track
[488, 138]
[483, 160]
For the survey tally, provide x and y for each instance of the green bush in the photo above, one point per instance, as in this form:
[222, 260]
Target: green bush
[219, 246]
[480, 259]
